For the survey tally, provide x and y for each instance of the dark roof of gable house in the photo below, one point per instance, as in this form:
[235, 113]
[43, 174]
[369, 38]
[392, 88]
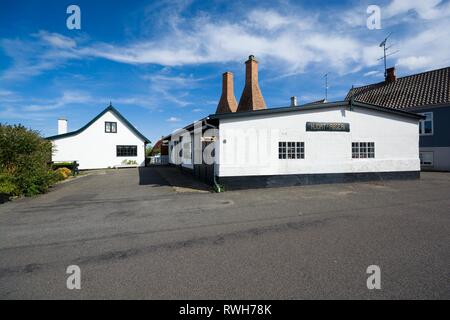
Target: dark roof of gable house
[113, 110]
[417, 90]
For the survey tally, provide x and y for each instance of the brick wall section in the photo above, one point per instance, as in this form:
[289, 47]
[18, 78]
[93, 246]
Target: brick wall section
[251, 98]
[227, 101]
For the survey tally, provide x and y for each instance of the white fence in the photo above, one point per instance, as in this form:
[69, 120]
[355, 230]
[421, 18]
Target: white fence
[159, 160]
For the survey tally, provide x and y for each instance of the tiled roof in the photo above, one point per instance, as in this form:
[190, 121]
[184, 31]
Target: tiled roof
[422, 89]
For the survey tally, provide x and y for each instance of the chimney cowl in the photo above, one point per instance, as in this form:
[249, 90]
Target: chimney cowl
[390, 74]
[293, 101]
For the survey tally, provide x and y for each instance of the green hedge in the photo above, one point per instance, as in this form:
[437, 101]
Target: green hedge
[24, 158]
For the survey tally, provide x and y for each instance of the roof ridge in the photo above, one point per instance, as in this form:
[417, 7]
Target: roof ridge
[423, 72]
[403, 77]
[98, 116]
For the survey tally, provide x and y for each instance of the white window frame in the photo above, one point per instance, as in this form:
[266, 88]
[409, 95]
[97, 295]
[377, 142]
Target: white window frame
[426, 164]
[422, 124]
[363, 150]
[291, 150]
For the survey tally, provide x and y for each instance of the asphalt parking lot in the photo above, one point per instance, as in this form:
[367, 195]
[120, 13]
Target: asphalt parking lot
[144, 234]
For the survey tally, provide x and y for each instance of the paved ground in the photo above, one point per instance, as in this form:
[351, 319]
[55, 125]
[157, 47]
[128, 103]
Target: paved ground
[135, 236]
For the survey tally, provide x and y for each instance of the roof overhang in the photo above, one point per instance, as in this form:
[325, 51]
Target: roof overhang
[314, 107]
[113, 110]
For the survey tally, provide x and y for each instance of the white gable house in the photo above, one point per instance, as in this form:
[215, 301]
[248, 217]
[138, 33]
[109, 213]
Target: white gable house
[108, 140]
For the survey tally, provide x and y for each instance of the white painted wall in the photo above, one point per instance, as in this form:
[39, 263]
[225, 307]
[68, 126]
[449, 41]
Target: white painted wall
[248, 151]
[95, 149]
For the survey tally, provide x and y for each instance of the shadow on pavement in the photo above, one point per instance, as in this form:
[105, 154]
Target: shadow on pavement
[150, 176]
[161, 175]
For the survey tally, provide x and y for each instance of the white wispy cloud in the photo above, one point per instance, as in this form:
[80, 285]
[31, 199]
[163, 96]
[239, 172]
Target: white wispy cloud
[425, 49]
[372, 73]
[288, 40]
[56, 40]
[67, 98]
[42, 52]
[169, 89]
[173, 119]
[425, 9]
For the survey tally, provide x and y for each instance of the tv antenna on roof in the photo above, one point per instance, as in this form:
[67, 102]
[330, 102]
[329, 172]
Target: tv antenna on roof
[326, 86]
[385, 54]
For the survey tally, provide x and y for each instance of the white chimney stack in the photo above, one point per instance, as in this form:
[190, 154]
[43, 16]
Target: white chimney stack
[62, 126]
[293, 101]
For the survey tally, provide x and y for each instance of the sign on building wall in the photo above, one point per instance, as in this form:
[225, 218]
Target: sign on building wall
[327, 126]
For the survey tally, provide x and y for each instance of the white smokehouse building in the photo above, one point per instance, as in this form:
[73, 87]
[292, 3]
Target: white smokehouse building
[108, 140]
[246, 145]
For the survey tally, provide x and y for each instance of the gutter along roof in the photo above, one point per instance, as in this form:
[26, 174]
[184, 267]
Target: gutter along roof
[113, 110]
[314, 106]
[304, 108]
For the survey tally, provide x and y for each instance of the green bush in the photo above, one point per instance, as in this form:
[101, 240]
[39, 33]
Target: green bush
[24, 161]
[129, 162]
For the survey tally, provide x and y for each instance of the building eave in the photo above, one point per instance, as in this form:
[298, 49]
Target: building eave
[314, 106]
[113, 110]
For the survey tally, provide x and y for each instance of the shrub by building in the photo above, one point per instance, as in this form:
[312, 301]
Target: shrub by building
[24, 162]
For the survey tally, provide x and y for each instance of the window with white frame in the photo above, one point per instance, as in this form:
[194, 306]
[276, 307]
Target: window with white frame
[363, 150]
[291, 150]
[110, 127]
[426, 158]
[426, 125]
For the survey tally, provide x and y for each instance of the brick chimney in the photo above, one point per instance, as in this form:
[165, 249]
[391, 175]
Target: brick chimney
[251, 98]
[390, 75]
[227, 101]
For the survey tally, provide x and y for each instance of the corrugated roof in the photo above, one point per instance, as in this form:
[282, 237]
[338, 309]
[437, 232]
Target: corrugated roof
[422, 89]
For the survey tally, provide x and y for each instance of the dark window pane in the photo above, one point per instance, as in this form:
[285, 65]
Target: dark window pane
[126, 151]
[428, 127]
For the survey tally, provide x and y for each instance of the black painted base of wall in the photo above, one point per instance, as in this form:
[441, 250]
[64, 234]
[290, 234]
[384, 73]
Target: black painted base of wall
[273, 181]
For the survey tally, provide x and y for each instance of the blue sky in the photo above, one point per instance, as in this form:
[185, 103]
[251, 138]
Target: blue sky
[160, 62]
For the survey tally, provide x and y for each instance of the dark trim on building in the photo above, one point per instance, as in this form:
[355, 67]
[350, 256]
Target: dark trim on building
[318, 106]
[428, 107]
[110, 126]
[113, 110]
[273, 181]
[214, 119]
